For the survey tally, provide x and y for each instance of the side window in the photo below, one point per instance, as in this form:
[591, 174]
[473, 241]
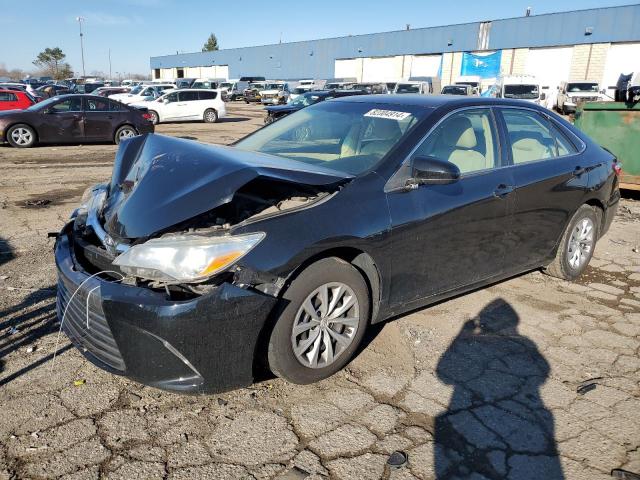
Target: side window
[117, 107]
[531, 136]
[207, 95]
[565, 147]
[467, 139]
[95, 105]
[188, 96]
[7, 97]
[73, 104]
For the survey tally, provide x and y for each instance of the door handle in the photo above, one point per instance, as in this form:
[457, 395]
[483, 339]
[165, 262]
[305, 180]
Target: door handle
[579, 171]
[503, 190]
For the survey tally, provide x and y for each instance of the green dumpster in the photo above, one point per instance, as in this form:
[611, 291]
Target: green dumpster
[615, 126]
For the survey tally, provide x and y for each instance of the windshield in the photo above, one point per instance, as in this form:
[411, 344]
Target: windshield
[407, 88]
[344, 136]
[257, 86]
[332, 86]
[521, 91]
[226, 85]
[471, 84]
[136, 90]
[274, 86]
[306, 99]
[453, 90]
[582, 87]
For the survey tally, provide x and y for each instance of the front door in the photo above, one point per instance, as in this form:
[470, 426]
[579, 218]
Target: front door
[64, 122]
[448, 236]
[551, 179]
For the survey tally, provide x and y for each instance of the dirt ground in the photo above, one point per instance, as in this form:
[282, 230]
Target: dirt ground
[532, 378]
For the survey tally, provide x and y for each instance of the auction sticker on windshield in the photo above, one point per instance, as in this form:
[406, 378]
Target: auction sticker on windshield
[388, 114]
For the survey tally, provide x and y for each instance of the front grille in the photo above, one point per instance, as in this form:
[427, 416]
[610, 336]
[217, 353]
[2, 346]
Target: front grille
[85, 323]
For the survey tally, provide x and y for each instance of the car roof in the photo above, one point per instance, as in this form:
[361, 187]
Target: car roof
[433, 101]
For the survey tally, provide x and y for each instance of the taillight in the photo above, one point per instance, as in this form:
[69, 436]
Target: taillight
[617, 168]
[146, 116]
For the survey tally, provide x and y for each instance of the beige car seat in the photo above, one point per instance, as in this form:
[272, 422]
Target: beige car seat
[457, 143]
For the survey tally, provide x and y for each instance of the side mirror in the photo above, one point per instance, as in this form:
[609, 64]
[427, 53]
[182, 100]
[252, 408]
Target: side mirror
[433, 171]
[543, 96]
[603, 91]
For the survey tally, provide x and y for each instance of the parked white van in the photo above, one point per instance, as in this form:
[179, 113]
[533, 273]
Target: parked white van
[474, 81]
[571, 94]
[185, 105]
[520, 87]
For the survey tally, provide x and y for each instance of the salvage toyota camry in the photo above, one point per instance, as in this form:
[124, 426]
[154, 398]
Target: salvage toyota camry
[199, 268]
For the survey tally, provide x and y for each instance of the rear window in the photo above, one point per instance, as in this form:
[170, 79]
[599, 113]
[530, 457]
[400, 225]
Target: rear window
[208, 95]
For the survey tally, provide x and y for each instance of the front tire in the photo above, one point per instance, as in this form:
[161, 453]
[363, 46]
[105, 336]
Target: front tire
[322, 324]
[21, 136]
[210, 116]
[155, 118]
[577, 244]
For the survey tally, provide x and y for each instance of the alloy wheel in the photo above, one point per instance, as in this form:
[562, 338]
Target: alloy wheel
[325, 325]
[22, 136]
[127, 133]
[210, 116]
[581, 243]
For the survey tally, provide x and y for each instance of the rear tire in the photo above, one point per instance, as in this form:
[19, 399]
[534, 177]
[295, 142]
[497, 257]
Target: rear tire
[125, 131]
[22, 136]
[577, 244]
[340, 322]
[210, 116]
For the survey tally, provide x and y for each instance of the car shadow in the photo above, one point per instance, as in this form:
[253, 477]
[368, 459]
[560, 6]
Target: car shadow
[27, 327]
[6, 252]
[496, 424]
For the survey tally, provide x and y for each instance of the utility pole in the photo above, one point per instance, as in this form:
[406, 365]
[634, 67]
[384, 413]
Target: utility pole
[109, 64]
[80, 20]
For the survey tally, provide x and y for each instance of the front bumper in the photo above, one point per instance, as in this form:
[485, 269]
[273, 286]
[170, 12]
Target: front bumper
[203, 345]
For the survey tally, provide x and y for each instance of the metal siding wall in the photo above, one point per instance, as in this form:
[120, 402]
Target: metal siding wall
[609, 25]
[316, 58]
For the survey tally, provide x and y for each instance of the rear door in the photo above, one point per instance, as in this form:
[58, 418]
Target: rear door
[63, 121]
[98, 119]
[189, 106]
[550, 177]
[453, 235]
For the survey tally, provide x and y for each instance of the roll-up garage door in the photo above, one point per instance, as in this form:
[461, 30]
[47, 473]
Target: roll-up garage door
[425, 65]
[382, 69]
[621, 58]
[348, 68]
[550, 66]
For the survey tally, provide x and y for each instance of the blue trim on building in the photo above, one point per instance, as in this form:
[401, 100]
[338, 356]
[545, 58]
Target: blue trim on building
[316, 58]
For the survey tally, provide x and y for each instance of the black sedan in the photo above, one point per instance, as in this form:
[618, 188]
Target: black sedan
[274, 112]
[73, 119]
[197, 266]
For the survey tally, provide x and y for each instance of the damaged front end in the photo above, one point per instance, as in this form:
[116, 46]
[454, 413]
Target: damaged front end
[158, 256]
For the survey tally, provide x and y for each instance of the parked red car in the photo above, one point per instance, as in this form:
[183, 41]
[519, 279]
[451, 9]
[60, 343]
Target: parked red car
[14, 100]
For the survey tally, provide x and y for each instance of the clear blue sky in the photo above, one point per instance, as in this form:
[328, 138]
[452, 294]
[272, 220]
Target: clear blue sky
[138, 29]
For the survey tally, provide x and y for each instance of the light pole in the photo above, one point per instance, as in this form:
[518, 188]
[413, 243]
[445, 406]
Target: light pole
[110, 64]
[80, 20]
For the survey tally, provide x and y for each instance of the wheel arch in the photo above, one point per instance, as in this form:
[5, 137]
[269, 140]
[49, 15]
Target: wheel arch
[599, 205]
[360, 260]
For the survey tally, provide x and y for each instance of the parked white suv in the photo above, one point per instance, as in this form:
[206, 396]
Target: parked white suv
[519, 87]
[142, 93]
[571, 94]
[185, 105]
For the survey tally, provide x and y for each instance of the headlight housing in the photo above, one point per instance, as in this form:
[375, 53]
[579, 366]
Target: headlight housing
[185, 258]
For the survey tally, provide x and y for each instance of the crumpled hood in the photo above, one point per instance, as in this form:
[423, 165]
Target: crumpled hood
[161, 181]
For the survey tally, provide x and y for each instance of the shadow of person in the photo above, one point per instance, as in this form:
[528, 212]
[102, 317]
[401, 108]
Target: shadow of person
[496, 425]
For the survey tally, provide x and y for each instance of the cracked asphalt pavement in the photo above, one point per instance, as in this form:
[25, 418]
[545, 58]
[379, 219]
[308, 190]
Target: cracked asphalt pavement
[532, 378]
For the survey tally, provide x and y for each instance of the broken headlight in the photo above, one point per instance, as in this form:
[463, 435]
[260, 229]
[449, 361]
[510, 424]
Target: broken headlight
[185, 258]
